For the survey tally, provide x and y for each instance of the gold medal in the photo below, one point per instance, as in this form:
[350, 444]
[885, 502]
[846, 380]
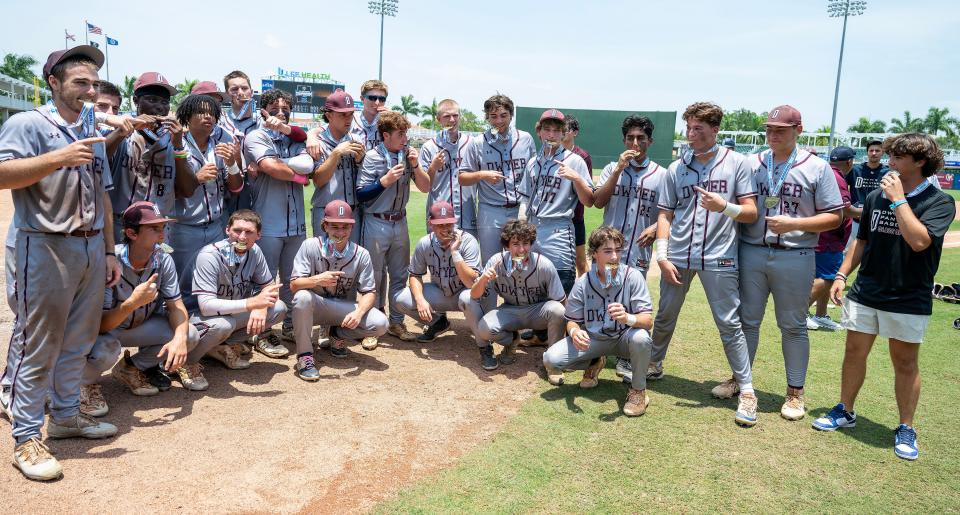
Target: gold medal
[771, 202]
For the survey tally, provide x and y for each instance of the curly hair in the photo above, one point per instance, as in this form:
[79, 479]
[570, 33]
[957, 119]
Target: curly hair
[602, 235]
[272, 95]
[498, 101]
[197, 104]
[706, 112]
[919, 146]
[519, 229]
[392, 121]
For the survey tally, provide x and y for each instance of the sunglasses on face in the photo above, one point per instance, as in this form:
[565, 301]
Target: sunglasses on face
[376, 98]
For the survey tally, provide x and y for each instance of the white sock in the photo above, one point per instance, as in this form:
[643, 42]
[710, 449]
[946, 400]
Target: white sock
[747, 388]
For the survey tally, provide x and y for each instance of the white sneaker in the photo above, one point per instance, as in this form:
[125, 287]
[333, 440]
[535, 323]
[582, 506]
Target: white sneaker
[826, 323]
[793, 407]
[35, 461]
[82, 426]
[812, 324]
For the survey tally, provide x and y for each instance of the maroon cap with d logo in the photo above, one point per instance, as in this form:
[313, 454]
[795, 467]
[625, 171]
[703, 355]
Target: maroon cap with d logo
[338, 211]
[442, 213]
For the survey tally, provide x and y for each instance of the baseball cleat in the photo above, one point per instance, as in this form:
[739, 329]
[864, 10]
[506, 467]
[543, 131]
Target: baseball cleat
[591, 376]
[835, 419]
[812, 324]
[487, 361]
[80, 426]
[132, 377]
[746, 414]
[323, 337]
[34, 460]
[434, 330]
[726, 389]
[338, 346]
[793, 407]
[368, 343]
[229, 357]
[92, 403]
[191, 377]
[636, 403]
[554, 375]
[306, 369]
[271, 346]
[508, 355]
[826, 323]
[624, 368]
[158, 378]
[399, 330]
[654, 370]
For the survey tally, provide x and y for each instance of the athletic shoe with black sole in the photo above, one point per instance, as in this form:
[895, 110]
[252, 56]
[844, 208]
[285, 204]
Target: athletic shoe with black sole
[434, 330]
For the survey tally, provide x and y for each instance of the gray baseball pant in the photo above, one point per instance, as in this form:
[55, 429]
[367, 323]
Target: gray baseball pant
[440, 304]
[563, 355]
[150, 337]
[499, 324]
[555, 240]
[490, 222]
[60, 285]
[10, 271]
[788, 275]
[217, 329]
[310, 309]
[279, 253]
[187, 240]
[389, 246]
[316, 219]
[723, 296]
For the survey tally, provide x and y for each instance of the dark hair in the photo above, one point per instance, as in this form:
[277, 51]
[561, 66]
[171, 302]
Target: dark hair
[245, 215]
[496, 101]
[520, 229]
[603, 234]
[562, 126]
[392, 121]
[573, 125]
[59, 70]
[197, 104]
[874, 142]
[919, 146]
[272, 95]
[136, 229]
[706, 112]
[636, 121]
[107, 88]
[235, 74]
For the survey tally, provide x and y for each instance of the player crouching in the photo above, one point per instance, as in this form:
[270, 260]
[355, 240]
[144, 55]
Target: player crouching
[453, 258]
[329, 272]
[531, 291]
[609, 313]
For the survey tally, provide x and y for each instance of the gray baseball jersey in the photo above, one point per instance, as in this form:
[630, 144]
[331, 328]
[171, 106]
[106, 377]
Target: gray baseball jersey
[506, 153]
[430, 256]
[589, 299]
[366, 132]
[551, 197]
[206, 203]
[700, 239]
[445, 186]
[316, 256]
[808, 189]
[536, 282]
[168, 285]
[633, 207]
[68, 199]
[220, 274]
[343, 182]
[144, 169]
[238, 128]
[279, 203]
[376, 163]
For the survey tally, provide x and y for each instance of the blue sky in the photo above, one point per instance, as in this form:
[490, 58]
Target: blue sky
[644, 55]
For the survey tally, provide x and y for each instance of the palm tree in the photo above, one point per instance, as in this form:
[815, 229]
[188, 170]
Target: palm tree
[408, 106]
[939, 119]
[864, 124]
[18, 66]
[183, 89]
[430, 112]
[126, 89]
[907, 124]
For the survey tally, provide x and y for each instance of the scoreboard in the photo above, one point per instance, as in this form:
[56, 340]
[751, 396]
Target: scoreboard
[308, 97]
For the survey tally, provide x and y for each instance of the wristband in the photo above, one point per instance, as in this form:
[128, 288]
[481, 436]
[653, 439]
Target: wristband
[631, 320]
[842, 277]
[111, 254]
[180, 149]
[571, 331]
[662, 244]
[732, 210]
[233, 169]
[456, 257]
[895, 205]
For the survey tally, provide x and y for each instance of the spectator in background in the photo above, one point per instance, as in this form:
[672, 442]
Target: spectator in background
[730, 143]
[579, 228]
[864, 178]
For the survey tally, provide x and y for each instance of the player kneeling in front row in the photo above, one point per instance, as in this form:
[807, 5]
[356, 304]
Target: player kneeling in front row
[133, 316]
[453, 258]
[234, 296]
[329, 271]
[531, 291]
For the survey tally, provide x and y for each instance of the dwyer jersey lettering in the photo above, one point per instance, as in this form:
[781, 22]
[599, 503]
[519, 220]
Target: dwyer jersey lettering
[220, 273]
[445, 187]
[537, 281]
[376, 164]
[366, 132]
[701, 239]
[144, 169]
[67, 200]
[430, 256]
[552, 197]
[808, 189]
[279, 203]
[168, 286]
[505, 153]
[206, 203]
[315, 257]
[633, 207]
[343, 183]
[589, 300]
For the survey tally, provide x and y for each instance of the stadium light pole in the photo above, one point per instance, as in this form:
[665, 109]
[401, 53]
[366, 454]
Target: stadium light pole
[836, 9]
[384, 8]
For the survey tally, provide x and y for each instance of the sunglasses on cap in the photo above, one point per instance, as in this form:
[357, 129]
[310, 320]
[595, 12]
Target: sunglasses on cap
[375, 98]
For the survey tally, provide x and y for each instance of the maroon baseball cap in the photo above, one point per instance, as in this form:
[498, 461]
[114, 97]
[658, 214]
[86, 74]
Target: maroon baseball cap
[783, 116]
[153, 79]
[85, 50]
[339, 101]
[338, 211]
[209, 88]
[442, 213]
[143, 213]
[552, 114]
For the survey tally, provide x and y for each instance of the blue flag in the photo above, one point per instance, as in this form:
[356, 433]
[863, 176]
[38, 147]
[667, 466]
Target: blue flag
[111, 41]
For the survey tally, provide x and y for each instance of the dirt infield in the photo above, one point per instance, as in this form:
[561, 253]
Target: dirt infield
[262, 440]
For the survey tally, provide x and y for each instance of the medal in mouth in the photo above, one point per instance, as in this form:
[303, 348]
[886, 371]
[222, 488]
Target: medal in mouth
[240, 246]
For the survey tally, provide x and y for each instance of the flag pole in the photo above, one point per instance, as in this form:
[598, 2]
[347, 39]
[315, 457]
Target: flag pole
[106, 40]
[65, 46]
[86, 32]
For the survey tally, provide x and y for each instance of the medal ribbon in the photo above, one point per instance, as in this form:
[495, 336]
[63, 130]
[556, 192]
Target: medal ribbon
[774, 189]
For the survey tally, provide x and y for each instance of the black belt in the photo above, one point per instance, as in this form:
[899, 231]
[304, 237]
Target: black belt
[79, 234]
[510, 205]
[394, 216]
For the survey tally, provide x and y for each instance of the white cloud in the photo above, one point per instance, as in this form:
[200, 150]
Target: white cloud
[272, 41]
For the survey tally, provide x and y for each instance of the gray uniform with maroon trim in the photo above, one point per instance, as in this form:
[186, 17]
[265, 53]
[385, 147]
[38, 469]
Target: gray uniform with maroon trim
[783, 264]
[500, 202]
[368, 133]
[239, 128]
[341, 186]
[445, 187]
[143, 169]
[704, 244]
[532, 299]
[587, 306]
[59, 278]
[633, 207]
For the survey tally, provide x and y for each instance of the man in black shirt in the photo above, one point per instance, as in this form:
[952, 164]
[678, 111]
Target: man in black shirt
[898, 249]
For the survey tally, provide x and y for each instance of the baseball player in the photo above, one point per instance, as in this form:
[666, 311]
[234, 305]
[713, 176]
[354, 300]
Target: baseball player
[211, 154]
[279, 200]
[579, 226]
[798, 198]
[496, 162]
[373, 94]
[338, 162]
[143, 310]
[701, 198]
[384, 189]
[555, 180]
[627, 192]
[55, 163]
[441, 157]
[608, 312]
[531, 290]
[233, 296]
[334, 286]
[452, 256]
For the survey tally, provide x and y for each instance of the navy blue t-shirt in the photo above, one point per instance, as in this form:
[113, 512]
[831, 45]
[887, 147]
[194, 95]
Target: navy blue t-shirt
[861, 179]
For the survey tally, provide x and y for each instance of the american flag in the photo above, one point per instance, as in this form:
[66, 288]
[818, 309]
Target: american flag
[69, 36]
[93, 29]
